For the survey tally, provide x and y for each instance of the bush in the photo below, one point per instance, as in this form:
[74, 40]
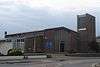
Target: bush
[1, 54]
[15, 52]
[49, 56]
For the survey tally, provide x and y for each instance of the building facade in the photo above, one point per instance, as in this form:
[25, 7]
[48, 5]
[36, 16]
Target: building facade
[5, 46]
[52, 40]
[55, 40]
[86, 31]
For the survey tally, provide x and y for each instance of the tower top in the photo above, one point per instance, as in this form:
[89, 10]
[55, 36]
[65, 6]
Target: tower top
[85, 15]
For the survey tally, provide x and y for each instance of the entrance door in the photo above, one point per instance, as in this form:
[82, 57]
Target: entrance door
[61, 47]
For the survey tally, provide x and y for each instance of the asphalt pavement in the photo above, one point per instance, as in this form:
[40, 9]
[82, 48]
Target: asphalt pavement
[56, 62]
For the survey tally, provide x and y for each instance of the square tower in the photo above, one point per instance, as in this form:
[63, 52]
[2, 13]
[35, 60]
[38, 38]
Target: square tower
[86, 31]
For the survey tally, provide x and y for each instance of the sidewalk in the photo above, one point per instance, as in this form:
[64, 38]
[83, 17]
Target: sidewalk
[20, 57]
[26, 61]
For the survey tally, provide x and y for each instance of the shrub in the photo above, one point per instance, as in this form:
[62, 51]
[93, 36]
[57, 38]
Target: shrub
[49, 56]
[14, 52]
[1, 54]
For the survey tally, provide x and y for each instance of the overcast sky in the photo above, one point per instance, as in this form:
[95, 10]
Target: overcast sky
[30, 15]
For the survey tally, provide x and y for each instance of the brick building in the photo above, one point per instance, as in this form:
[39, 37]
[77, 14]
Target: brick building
[53, 40]
[58, 39]
[86, 31]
